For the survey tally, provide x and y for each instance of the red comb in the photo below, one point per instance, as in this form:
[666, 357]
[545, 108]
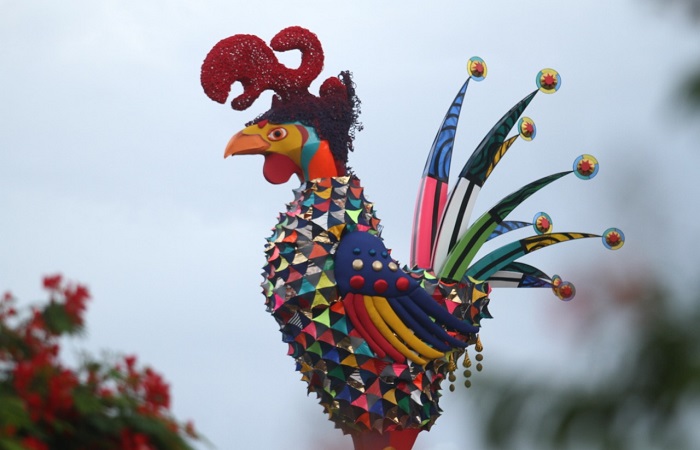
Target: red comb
[248, 60]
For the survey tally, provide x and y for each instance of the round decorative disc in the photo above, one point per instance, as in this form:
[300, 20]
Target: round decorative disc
[556, 281]
[613, 238]
[527, 128]
[586, 167]
[542, 223]
[566, 291]
[477, 68]
[548, 81]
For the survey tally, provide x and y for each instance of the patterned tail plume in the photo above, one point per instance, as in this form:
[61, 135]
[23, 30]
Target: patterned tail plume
[444, 239]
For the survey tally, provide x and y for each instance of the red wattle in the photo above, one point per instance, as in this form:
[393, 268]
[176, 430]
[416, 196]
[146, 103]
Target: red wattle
[278, 169]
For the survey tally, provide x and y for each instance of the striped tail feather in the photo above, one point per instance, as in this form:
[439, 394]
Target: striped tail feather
[521, 275]
[491, 263]
[443, 238]
[465, 249]
[506, 227]
[432, 193]
[527, 270]
[508, 279]
[474, 174]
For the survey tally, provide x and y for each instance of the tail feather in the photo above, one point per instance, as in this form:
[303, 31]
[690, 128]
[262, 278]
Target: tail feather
[527, 270]
[466, 248]
[477, 167]
[487, 266]
[432, 193]
[474, 174]
[507, 226]
[508, 279]
[443, 238]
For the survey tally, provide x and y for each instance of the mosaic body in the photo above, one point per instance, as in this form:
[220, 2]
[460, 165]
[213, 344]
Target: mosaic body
[360, 390]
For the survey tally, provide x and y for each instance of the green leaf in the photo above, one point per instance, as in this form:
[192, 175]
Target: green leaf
[158, 432]
[11, 340]
[693, 89]
[10, 444]
[86, 402]
[12, 411]
[109, 426]
[57, 319]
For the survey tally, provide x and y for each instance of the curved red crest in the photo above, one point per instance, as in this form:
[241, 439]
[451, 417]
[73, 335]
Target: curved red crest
[247, 59]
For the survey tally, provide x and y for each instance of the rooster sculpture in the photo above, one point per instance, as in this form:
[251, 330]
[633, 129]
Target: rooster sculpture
[373, 340]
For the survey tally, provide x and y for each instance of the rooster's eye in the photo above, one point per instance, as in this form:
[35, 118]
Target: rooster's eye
[277, 134]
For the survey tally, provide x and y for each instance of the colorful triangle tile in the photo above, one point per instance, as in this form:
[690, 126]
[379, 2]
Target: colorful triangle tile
[363, 349]
[349, 361]
[360, 402]
[319, 300]
[305, 287]
[390, 396]
[332, 355]
[327, 337]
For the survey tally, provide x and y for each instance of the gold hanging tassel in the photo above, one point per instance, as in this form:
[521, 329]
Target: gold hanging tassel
[451, 367]
[479, 347]
[467, 363]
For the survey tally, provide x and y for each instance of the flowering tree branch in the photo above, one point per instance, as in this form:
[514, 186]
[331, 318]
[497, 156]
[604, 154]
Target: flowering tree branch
[100, 405]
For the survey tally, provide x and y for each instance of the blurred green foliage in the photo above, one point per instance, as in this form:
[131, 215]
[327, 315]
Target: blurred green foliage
[649, 398]
[690, 89]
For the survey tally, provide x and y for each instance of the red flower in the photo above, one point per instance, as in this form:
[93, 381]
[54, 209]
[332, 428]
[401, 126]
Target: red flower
[135, 441]
[105, 393]
[6, 309]
[22, 375]
[53, 282]
[36, 322]
[130, 363]
[189, 429]
[34, 406]
[76, 298]
[157, 391]
[32, 373]
[60, 396]
[31, 443]
[8, 430]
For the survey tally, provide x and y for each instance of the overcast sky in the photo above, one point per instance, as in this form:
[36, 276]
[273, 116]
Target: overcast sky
[111, 172]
